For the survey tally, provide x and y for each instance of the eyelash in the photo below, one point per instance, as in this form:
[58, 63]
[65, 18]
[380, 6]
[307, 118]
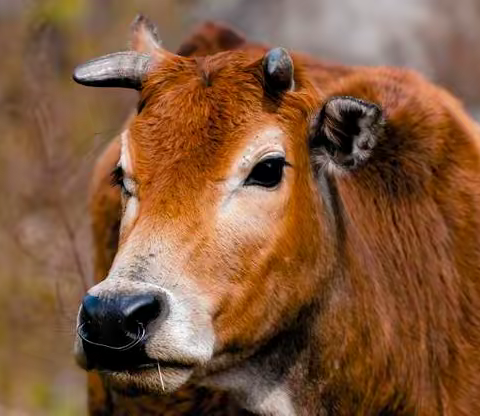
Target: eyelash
[116, 179]
[116, 176]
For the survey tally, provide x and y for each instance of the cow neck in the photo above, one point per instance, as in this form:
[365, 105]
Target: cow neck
[275, 378]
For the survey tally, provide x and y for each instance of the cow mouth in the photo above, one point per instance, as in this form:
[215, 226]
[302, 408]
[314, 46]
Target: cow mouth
[146, 365]
[147, 378]
[154, 365]
[129, 359]
[131, 362]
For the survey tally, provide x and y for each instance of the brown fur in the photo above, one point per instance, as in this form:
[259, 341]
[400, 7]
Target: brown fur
[411, 259]
[387, 287]
[105, 212]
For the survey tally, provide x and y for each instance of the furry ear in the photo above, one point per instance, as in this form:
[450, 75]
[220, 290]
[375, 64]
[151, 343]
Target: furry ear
[144, 35]
[345, 132]
[210, 38]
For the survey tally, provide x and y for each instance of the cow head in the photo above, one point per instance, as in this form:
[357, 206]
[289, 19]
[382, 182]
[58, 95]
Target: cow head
[223, 240]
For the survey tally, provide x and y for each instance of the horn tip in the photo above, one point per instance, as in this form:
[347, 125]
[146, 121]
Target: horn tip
[82, 75]
[78, 75]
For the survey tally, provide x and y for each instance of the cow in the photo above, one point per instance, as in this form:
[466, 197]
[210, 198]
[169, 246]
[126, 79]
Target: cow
[105, 213]
[302, 236]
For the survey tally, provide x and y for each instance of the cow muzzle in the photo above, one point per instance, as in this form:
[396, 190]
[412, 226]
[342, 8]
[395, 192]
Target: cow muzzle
[114, 330]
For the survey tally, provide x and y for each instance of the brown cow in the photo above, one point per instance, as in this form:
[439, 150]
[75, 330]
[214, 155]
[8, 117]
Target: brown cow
[105, 211]
[310, 252]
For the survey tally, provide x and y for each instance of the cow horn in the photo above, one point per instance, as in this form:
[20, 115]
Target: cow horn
[121, 69]
[278, 70]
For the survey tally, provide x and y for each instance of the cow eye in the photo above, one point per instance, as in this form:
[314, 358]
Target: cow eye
[117, 179]
[267, 173]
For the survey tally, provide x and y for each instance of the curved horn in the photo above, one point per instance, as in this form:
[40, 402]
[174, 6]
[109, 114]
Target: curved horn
[121, 69]
[278, 70]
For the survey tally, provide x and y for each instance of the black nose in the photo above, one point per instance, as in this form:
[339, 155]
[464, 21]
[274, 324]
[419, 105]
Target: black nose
[113, 329]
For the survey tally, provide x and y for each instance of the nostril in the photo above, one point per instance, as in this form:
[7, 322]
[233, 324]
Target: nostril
[140, 309]
[91, 314]
[91, 306]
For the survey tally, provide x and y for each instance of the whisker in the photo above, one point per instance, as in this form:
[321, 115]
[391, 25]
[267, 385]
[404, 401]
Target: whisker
[160, 374]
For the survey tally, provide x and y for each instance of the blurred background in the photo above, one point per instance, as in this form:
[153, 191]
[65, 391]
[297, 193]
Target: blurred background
[51, 131]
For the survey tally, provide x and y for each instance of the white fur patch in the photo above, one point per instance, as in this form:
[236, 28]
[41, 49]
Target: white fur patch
[130, 212]
[269, 141]
[255, 391]
[125, 159]
[277, 403]
[131, 203]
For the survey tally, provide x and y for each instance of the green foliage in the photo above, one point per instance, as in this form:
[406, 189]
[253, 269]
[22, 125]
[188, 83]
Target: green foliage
[59, 12]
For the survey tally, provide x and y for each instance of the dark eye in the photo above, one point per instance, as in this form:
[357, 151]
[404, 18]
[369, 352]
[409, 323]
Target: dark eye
[117, 180]
[267, 173]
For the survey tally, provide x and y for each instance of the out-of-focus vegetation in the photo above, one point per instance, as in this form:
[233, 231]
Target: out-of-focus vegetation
[51, 131]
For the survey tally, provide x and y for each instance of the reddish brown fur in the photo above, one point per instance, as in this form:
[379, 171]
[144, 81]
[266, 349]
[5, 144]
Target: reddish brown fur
[397, 307]
[105, 212]
[411, 245]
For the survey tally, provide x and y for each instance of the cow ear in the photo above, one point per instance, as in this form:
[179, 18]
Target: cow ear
[345, 132]
[210, 38]
[144, 35]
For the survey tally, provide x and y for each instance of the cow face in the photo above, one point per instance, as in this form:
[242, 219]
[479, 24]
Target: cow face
[222, 241]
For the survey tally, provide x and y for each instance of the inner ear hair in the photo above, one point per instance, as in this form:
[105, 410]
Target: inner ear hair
[345, 132]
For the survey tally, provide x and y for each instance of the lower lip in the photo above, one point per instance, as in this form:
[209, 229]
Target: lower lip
[152, 366]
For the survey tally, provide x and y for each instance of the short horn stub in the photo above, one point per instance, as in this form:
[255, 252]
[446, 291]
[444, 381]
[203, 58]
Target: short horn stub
[278, 70]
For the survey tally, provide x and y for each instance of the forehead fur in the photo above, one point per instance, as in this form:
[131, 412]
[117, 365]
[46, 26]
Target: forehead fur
[196, 112]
